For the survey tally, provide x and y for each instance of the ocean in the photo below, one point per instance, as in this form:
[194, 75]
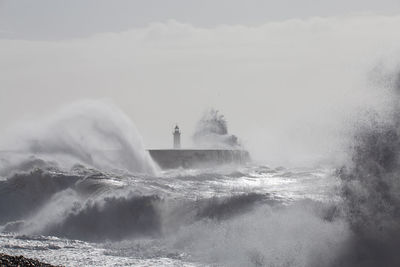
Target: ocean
[79, 189]
[232, 216]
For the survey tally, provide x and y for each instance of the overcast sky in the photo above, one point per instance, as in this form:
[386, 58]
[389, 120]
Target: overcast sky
[288, 75]
[63, 19]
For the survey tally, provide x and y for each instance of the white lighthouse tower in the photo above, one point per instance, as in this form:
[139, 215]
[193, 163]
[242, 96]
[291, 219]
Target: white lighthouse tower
[177, 138]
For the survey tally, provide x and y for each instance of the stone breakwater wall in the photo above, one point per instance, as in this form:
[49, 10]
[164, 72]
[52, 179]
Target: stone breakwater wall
[197, 158]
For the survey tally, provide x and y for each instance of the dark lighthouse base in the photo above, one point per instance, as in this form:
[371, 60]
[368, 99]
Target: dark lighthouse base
[197, 158]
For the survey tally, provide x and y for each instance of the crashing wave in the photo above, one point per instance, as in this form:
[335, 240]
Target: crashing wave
[91, 133]
[212, 132]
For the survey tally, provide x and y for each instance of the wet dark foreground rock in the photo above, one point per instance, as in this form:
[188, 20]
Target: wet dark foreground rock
[20, 261]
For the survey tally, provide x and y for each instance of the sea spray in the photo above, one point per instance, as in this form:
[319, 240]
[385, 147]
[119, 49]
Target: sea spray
[371, 186]
[93, 133]
[212, 132]
[252, 216]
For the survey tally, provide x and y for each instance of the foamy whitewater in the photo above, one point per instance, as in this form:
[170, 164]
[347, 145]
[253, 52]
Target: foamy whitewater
[79, 189]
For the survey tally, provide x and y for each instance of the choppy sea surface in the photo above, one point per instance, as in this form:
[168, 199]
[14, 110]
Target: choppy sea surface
[228, 216]
[79, 189]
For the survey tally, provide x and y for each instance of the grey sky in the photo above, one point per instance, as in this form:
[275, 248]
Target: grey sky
[63, 19]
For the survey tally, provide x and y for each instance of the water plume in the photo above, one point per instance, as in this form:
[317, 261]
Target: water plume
[93, 133]
[371, 186]
[212, 132]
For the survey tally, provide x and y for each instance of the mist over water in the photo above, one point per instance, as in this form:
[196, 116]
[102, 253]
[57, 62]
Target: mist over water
[80, 184]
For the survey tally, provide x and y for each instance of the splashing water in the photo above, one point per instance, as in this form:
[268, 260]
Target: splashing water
[79, 189]
[371, 186]
[91, 133]
[212, 132]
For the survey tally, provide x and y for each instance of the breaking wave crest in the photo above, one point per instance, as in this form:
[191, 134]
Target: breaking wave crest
[235, 229]
[89, 205]
[91, 133]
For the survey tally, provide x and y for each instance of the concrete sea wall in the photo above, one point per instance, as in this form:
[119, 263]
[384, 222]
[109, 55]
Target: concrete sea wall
[195, 158]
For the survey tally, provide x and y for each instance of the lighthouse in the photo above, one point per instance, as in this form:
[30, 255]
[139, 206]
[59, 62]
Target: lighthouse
[177, 138]
[195, 158]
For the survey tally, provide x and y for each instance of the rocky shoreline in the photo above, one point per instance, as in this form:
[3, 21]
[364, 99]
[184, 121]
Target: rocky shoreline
[20, 261]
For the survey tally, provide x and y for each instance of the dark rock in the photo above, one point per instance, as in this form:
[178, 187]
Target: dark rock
[20, 261]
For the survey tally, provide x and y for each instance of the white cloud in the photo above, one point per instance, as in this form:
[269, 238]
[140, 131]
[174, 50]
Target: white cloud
[285, 87]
